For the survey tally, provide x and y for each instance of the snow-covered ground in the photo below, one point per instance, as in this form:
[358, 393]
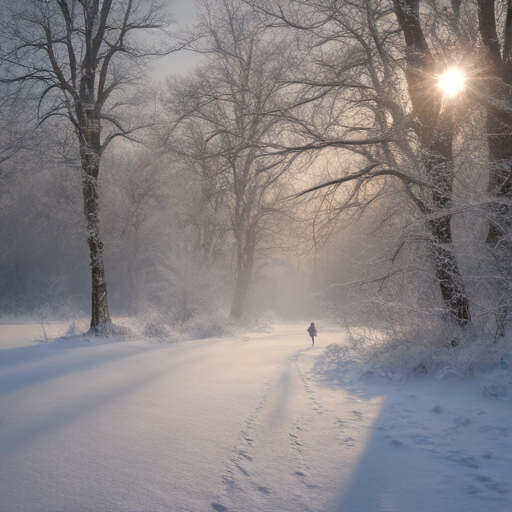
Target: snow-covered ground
[251, 424]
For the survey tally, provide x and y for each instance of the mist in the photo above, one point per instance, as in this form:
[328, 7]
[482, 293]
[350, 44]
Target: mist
[255, 255]
[254, 179]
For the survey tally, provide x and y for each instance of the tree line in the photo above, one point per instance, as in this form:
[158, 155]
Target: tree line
[307, 131]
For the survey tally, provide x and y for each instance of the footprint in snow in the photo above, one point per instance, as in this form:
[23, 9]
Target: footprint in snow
[418, 439]
[245, 455]
[219, 508]
[241, 469]
[469, 462]
[229, 480]
[494, 431]
[461, 421]
[492, 485]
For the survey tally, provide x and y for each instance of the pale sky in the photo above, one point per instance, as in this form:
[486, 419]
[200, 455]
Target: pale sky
[184, 12]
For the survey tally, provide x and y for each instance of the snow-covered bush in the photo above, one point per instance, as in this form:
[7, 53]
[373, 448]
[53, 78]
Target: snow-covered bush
[259, 321]
[218, 326]
[164, 328]
[422, 352]
[153, 325]
[159, 327]
[335, 352]
[397, 326]
[156, 328]
[114, 332]
[212, 326]
[76, 329]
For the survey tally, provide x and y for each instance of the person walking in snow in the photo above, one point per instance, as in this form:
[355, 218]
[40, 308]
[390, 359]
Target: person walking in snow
[312, 332]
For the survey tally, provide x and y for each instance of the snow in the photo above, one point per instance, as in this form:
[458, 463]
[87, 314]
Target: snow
[242, 424]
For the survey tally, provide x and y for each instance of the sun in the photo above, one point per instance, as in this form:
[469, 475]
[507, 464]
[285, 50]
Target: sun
[451, 82]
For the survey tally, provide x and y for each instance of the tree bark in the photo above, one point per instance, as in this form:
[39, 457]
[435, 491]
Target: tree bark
[90, 148]
[435, 133]
[439, 168]
[447, 272]
[245, 265]
[243, 280]
[499, 143]
[70, 49]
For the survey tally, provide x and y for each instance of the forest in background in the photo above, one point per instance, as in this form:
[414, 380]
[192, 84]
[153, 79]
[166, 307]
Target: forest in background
[309, 163]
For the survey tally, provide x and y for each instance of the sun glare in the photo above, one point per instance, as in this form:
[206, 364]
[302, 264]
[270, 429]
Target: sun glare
[451, 82]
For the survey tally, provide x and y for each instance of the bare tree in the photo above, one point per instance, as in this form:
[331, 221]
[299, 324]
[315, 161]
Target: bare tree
[227, 103]
[495, 29]
[168, 227]
[498, 78]
[79, 57]
[16, 121]
[379, 102]
[435, 132]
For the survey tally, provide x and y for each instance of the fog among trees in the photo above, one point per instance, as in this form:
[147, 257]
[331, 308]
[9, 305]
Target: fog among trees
[311, 164]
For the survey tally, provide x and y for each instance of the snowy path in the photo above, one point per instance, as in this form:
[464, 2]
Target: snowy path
[238, 425]
[201, 425]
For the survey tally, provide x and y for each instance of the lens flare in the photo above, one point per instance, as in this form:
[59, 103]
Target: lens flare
[451, 82]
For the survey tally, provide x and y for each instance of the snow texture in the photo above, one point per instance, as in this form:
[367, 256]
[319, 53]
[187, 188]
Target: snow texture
[252, 424]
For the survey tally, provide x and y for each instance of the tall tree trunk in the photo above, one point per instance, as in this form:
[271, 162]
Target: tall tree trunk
[245, 265]
[435, 132]
[499, 142]
[447, 271]
[243, 280]
[90, 158]
[439, 168]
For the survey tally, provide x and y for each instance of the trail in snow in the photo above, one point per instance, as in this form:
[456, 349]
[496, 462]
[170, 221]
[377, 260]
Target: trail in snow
[292, 453]
[201, 425]
[240, 425]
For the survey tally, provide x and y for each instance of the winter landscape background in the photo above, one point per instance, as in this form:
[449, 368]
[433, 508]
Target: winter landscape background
[185, 186]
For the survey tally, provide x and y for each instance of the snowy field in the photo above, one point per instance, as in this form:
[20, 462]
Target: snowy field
[252, 424]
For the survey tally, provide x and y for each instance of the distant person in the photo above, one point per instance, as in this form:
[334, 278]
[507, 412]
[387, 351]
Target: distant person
[312, 332]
